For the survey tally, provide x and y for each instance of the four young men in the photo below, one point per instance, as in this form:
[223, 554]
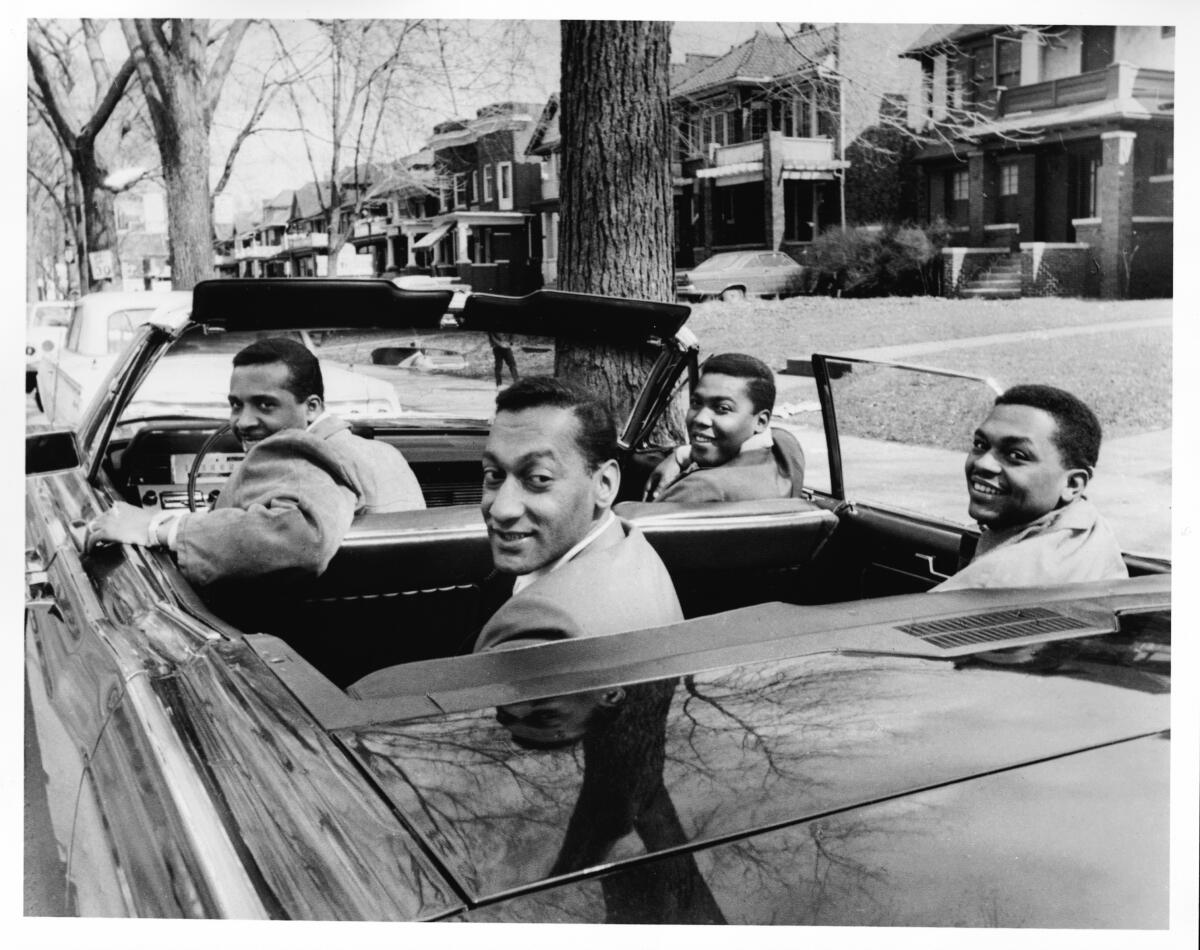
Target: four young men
[569, 567]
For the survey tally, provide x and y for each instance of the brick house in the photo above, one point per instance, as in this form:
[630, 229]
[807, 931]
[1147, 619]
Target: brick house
[485, 232]
[760, 133]
[546, 146]
[1053, 160]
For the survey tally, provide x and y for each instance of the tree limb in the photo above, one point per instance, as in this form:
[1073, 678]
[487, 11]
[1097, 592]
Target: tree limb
[49, 100]
[220, 67]
[112, 96]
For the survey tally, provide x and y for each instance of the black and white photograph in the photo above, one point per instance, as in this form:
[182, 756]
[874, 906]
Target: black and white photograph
[486, 466]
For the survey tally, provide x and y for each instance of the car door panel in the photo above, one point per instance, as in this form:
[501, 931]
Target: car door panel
[899, 554]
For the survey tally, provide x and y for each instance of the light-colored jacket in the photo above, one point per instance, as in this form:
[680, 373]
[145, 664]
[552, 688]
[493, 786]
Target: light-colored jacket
[1071, 544]
[616, 584]
[286, 508]
[775, 472]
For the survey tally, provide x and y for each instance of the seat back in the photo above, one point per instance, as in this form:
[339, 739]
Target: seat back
[724, 555]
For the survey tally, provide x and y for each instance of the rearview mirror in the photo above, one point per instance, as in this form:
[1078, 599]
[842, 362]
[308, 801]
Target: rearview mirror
[54, 451]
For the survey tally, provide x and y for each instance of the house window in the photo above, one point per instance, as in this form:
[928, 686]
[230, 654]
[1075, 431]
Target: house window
[489, 182]
[958, 193]
[475, 186]
[757, 127]
[1163, 160]
[1007, 182]
[1008, 179]
[460, 190]
[1098, 42]
[504, 184]
[715, 128]
[1081, 184]
[1007, 57]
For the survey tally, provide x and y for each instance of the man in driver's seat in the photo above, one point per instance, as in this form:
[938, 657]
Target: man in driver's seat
[285, 509]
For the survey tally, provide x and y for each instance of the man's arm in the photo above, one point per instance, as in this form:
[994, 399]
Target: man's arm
[292, 508]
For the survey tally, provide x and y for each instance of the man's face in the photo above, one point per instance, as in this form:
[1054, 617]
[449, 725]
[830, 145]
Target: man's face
[720, 418]
[1015, 472]
[539, 498]
[260, 404]
[556, 721]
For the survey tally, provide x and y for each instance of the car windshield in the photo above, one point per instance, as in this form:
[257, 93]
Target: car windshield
[52, 316]
[722, 262]
[404, 372]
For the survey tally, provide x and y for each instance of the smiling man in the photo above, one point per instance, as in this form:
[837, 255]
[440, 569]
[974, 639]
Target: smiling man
[733, 453]
[285, 509]
[550, 476]
[1030, 461]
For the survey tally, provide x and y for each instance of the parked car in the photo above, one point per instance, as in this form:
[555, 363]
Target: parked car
[735, 275]
[820, 742]
[192, 379]
[45, 326]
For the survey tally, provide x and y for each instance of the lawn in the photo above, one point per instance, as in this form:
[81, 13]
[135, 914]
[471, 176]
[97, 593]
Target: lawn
[1125, 374]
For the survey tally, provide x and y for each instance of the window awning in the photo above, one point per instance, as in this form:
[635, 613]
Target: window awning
[430, 239]
[821, 171]
[724, 171]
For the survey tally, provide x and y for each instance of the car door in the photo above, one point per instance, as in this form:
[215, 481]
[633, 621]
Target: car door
[897, 437]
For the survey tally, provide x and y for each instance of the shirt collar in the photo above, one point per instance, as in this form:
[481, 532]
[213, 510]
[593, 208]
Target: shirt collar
[761, 440]
[324, 415]
[524, 580]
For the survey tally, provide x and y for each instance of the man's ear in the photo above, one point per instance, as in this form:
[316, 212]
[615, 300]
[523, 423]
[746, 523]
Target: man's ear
[607, 478]
[313, 406]
[613, 697]
[762, 419]
[1077, 481]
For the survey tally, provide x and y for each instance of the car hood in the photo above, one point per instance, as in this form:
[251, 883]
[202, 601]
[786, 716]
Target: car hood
[697, 760]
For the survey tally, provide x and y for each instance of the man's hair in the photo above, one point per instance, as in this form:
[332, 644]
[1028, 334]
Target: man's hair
[304, 372]
[596, 437]
[760, 381]
[1077, 430]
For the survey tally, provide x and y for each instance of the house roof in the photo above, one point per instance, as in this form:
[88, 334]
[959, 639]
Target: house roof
[276, 211]
[944, 34]
[546, 135]
[760, 59]
[309, 202]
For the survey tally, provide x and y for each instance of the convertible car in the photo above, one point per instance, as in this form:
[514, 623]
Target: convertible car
[822, 741]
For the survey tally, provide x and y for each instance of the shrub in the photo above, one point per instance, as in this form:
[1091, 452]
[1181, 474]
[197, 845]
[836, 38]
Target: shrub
[876, 261]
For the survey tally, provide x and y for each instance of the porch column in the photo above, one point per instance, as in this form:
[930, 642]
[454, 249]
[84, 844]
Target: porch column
[977, 197]
[1114, 208]
[461, 231]
[389, 252]
[412, 253]
[773, 203]
[708, 215]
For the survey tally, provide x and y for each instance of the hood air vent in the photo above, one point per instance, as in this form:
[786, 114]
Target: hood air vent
[990, 627]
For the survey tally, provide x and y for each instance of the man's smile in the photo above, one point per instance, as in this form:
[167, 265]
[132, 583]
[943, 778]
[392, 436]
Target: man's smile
[985, 488]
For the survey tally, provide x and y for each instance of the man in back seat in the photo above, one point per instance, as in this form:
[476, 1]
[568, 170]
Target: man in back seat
[285, 509]
[734, 455]
[550, 475]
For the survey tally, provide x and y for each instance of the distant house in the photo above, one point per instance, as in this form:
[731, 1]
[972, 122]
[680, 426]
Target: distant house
[409, 192]
[306, 240]
[546, 145]
[485, 232]
[1053, 158]
[760, 134]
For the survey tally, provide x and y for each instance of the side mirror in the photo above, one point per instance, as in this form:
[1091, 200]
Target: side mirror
[53, 451]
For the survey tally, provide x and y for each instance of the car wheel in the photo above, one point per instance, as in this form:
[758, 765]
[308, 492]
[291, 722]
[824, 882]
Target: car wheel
[731, 294]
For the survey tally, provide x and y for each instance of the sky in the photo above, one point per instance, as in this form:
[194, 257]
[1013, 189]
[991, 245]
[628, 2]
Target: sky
[270, 162]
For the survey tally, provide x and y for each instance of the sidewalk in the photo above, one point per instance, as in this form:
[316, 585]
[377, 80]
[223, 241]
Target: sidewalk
[904, 350]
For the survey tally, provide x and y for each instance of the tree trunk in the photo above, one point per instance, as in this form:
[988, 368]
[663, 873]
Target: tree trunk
[184, 151]
[616, 201]
[99, 220]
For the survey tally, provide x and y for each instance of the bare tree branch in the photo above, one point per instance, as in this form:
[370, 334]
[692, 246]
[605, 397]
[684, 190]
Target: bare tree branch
[220, 67]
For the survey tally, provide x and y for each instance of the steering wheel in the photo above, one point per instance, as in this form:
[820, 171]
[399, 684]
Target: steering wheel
[195, 469]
